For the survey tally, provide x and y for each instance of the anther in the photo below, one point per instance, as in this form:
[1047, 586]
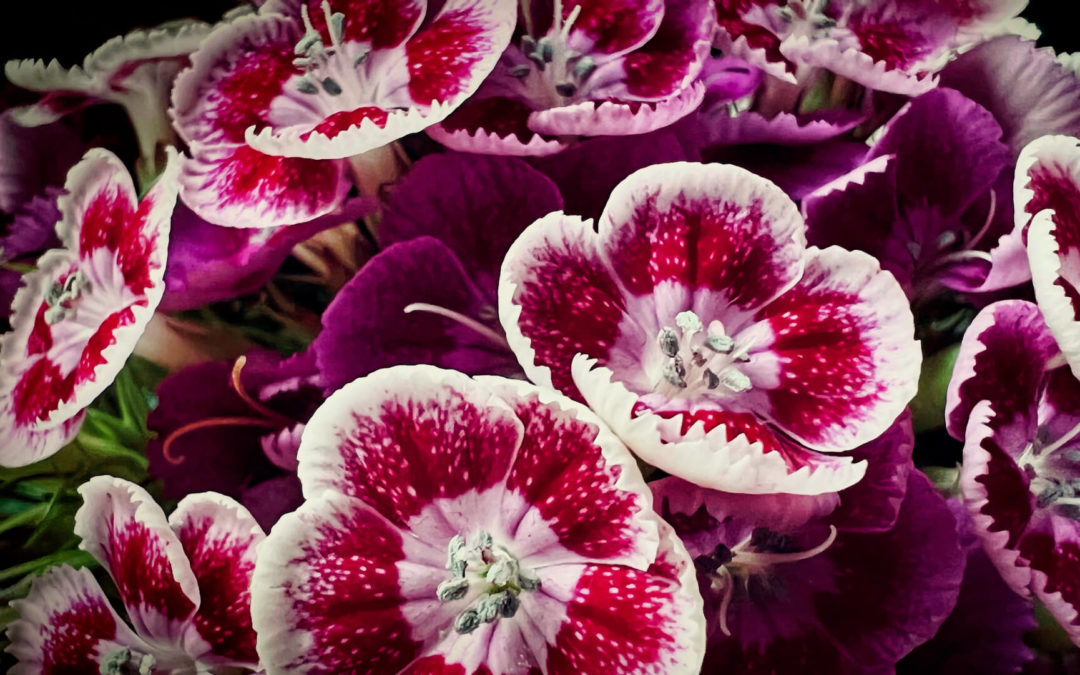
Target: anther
[330, 86]
[306, 87]
[520, 71]
[584, 67]
[735, 380]
[721, 344]
[668, 341]
[712, 380]
[675, 372]
[452, 589]
[688, 322]
[467, 621]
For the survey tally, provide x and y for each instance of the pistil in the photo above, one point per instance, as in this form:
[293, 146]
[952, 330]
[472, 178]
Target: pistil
[562, 68]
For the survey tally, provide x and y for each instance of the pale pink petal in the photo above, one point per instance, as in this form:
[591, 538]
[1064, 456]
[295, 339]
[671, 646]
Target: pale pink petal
[219, 537]
[405, 437]
[610, 118]
[127, 532]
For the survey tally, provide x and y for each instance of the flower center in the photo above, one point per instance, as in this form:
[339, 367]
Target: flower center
[329, 69]
[126, 662]
[488, 576]
[700, 360]
[61, 297]
[752, 557]
[562, 68]
[1046, 483]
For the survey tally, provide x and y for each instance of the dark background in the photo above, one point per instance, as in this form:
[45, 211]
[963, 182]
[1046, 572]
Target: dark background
[70, 29]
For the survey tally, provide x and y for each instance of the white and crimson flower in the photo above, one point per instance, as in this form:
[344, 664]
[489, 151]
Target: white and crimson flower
[587, 68]
[457, 525]
[1016, 405]
[135, 71]
[887, 45]
[184, 581]
[1047, 198]
[275, 102]
[700, 327]
[77, 317]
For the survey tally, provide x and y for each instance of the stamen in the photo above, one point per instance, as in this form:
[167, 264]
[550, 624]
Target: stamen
[725, 602]
[764, 559]
[1059, 443]
[277, 418]
[986, 224]
[689, 323]
[668, 341]
[330, 86]
[520, 71]
[466, 321]
[166, 447]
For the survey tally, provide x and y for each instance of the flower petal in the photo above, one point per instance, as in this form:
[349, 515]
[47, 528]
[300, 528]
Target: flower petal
[556, 299]
[1051, 193]
[383, 23]
[219, 537]
[848, 360]
[1010, 332]
[672, 59]
[733, 452]
[616, 117]
[1029, 93]
[714, 227]
[873, 504]
[66, 624]
[337, 586]
[400, 448]
[122, 527]
[1054, 553]
[366, 327]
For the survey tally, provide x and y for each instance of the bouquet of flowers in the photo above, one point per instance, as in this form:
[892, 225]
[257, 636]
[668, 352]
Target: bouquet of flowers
[544, 336]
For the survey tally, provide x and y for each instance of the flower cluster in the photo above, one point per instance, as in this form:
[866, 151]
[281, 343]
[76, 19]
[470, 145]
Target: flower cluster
[486, 337]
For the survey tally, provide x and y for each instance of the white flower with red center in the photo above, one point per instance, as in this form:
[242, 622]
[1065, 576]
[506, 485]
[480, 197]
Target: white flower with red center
[271, 96]
[1016, 405]
[888, 45]
[457, 525]
[184, 581]
[1047, 198]
[700, 327]
[598, 68]
[78, 315]
[135, 71]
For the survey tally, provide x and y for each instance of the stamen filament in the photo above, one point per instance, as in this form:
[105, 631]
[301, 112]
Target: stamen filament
[986, 225]
[277, 418]
[166, 447]
[725, 602]
[763, 559]
[1060, 442]
[466, 321]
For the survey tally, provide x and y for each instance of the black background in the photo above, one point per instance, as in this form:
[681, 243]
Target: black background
[69, 29]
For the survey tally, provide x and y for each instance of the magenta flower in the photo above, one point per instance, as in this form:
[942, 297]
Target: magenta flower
[79, 314]
[888, 45]
[930, 200]
[1016, 406]
[587, 69]
[183, 581]
[698, 325]
[458, 525]
[796, 592]
[275, 102]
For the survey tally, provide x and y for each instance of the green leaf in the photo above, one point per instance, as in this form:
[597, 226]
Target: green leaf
[75, 558]
[928, 406]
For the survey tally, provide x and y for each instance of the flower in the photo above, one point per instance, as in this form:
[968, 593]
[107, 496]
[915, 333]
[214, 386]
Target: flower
[985, 632]
[232, 427]
[887, 45]
[702, 330]
[135, 71]
[586, 69]
[79, 314]
[925, 201]
[790, 592]
[470, 526]
[1021, 473]
[430, 295]
[275, 102]
[183, 581]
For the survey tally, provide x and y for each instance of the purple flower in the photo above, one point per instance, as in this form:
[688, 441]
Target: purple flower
[430, 295]
[790, 591]
[614, 67]
[931, 201]
[698, 325]
[479, 526]
[1016, 406]
[234, 428]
